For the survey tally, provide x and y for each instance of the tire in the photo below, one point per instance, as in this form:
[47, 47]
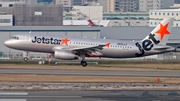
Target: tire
[84, 63]
[25, 59]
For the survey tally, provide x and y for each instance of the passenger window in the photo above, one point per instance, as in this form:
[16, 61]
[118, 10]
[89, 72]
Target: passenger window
[14, 37]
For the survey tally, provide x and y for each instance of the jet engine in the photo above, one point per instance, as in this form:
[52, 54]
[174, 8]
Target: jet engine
[65, 55]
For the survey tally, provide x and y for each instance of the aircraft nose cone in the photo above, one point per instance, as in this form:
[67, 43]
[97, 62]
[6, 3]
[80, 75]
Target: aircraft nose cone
[7, 43]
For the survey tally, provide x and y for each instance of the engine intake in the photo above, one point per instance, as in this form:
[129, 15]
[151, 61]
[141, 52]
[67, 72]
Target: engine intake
[65, 55]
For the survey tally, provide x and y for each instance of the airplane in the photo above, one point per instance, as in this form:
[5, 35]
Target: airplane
[93, 24]
[71, 48]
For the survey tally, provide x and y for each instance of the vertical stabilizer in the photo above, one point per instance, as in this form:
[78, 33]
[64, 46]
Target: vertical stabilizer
[161, 33]
[91, 22]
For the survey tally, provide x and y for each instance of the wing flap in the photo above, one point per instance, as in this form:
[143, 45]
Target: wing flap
[90, 50]
[87, 48]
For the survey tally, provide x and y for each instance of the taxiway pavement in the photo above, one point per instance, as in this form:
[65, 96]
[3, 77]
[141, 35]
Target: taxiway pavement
[92, 72]
[77, 95]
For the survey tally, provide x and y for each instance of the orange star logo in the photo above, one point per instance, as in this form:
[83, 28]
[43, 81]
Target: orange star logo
[108, 44]
[163, 30]
[65, 41]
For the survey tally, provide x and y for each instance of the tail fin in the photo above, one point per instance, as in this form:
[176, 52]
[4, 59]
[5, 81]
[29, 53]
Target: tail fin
[91, 23]
[161, 33]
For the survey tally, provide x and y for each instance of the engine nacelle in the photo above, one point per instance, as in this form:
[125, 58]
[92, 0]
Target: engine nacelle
[65, 55]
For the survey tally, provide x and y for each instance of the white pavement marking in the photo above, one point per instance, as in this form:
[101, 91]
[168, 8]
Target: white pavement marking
[43, 96]
[13, 93]
[12, 99]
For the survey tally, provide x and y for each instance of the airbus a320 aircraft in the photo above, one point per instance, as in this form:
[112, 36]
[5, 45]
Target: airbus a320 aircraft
[69, 48]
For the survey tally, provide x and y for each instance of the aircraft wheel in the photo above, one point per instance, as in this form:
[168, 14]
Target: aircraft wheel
[25, 59]
[84, 63]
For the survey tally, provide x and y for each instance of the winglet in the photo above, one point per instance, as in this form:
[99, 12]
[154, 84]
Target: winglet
[108, 44]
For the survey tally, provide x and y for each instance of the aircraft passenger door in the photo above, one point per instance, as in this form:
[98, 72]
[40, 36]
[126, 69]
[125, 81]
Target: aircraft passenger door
[27, 39]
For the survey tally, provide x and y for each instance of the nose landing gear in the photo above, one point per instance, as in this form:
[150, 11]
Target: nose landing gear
[26, 56]
[25, 59]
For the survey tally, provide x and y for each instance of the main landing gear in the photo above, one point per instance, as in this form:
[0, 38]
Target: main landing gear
[84, 63]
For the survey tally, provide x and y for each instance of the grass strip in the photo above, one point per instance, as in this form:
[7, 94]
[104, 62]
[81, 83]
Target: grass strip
[83, 79]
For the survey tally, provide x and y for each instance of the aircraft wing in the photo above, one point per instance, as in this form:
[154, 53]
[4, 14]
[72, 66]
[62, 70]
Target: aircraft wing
[88, 48]
[100, 47]
[91, 47]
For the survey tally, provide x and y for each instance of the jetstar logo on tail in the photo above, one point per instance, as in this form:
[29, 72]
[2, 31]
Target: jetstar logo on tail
[147, 44]
[163, 30]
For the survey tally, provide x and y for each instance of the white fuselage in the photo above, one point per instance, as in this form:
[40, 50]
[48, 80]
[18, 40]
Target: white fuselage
[116, 48]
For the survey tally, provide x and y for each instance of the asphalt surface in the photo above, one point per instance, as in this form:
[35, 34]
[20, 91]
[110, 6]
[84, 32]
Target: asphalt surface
[91, 73]
[89, 95]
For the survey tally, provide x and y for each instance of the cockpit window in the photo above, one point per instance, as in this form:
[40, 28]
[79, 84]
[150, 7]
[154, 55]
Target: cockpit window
[15, 37]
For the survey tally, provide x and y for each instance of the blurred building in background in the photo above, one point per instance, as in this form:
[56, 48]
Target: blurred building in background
[126, 5]
[31, 2]
[67, 4]
[38, 15]
[10, 3]
[146, 5]
[166, 4]
[156, 16]
[34, 15]
[108, 5]
[44, 1]
[177, 1]
[87, 12]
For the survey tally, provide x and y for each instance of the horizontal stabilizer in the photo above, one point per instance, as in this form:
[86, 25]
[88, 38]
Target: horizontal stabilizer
[164, 48]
